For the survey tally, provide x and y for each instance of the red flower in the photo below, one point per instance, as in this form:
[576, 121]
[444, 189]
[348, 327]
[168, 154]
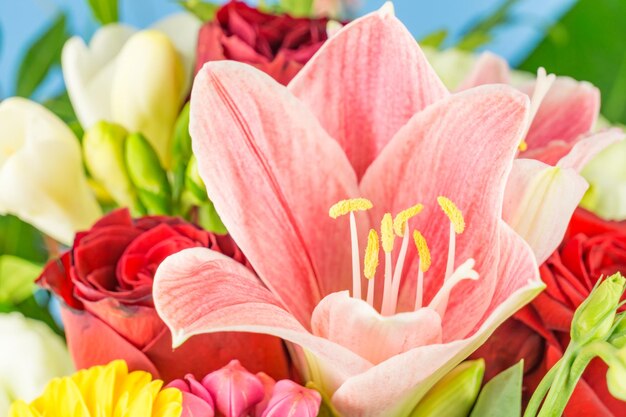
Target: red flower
[539, 333]
[105, 282]
[276, 44]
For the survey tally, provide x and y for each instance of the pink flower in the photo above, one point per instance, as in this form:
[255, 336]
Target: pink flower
[234, 392]
[366, 117]
[558, 143]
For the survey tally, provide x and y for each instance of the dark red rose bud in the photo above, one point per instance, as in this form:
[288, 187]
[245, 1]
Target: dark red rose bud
[276, 44]
[105, 283]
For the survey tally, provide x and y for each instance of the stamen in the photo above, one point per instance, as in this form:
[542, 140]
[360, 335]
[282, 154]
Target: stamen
[454, 214]
[523, 146]
[399, 222]
[348, 206]
[422, 250]
[371, 263]
[424, 263]
[386, 230]
[465, 271]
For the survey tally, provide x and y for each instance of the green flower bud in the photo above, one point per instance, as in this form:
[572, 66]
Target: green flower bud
[594, 318]
[616, 375]
[194, 183]
[618, 337]
[147, 175]
[455, 394]
[103, 148]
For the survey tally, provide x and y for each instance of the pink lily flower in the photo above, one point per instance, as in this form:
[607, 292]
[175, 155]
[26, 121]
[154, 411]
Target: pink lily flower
[558, 144]
[368, 130]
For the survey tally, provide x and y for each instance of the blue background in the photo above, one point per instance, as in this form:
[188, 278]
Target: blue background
[22, 21]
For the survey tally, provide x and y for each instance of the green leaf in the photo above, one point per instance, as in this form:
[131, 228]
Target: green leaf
[297, 8]
[203, 10]
[17, 277]
[502, 396]
[181, 152]
[105, 11]
[22, 240]
[588, 44]
[434, 39]
[42, 55]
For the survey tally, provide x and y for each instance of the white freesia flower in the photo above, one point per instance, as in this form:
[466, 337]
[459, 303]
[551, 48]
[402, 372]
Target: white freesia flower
[137, 79]
[30, 356]
[42, 180]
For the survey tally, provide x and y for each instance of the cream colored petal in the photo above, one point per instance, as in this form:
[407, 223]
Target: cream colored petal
[182, 29]
[147, 89]
[42, 181]
[539, 202]
[88, 71]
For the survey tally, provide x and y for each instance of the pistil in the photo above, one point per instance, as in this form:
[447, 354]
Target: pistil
[465, 271]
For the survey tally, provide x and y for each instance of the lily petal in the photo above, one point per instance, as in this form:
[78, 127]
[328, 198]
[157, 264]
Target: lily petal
[485, 122]
[278, 157]
[539, 202]
[356, 325]
[569, 109]
[488, 69]
[201, 291]
[88, 72]
[366, 82]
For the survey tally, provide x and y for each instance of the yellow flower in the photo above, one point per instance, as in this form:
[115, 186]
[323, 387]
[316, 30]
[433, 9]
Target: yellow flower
[103, 391]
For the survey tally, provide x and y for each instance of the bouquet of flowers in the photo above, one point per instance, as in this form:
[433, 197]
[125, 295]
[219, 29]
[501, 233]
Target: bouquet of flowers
[279, 211]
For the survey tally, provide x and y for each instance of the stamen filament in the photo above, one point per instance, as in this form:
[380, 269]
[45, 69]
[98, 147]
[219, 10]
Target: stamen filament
[397, 273]
[370, 291]
[419, 289]
[387, 287]
[356, 262]
[465, 271]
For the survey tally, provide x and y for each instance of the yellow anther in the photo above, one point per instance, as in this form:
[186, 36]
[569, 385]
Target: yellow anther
[347, 206]
[523, 146]
[454, 214]
[386, 232]
[399, 223]
[371, 255]
[422, 250]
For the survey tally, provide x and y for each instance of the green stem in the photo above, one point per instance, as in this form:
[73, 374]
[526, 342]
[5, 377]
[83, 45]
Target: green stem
[560, 381]
[540, 392]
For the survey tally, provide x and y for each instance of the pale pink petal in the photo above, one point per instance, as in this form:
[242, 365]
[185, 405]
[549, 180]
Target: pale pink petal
[293, 400]
[366, 82]
[355, 325]
[539, 202]
[394, 387]
[569, 109]
[235, 390]
[462, 148]
[201, 291]
[586, 148]
[488, 69]
[273, 172]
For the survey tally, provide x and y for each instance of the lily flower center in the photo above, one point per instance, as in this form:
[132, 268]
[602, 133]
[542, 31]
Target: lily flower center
[398, 227]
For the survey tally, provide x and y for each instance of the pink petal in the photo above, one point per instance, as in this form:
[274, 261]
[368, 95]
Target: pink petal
[394, 387]
[462, 148]
[292, 400]
[539, 203]
[235, 390]
[201, 291]
[488, 69]
[197, 401]
[365, 83]
[569, 109]
[355, 325]
[272, 173]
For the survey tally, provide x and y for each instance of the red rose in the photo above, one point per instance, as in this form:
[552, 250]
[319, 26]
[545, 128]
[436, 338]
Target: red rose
[276, 44]
[105, 282]
[539, 333]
